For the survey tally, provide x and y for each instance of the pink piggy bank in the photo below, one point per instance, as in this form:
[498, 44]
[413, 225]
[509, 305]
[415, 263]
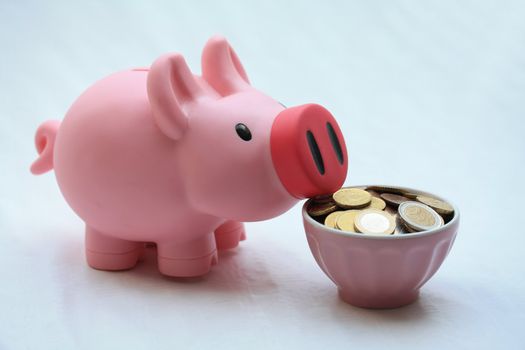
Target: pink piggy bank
[161, 155]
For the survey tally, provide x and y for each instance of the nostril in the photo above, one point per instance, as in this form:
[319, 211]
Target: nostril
[314, 150]
[306, 148]
[335, 142]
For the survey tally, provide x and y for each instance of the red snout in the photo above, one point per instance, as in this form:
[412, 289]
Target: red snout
[308, 151]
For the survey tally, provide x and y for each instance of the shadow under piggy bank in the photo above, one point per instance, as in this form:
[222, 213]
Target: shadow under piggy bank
[239, 271]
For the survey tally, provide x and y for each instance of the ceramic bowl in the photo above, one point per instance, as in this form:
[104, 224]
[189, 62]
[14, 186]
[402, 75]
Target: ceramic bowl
[380, 271]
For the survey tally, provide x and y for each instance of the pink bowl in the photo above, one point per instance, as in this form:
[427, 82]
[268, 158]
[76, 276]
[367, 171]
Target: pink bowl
[380, 271]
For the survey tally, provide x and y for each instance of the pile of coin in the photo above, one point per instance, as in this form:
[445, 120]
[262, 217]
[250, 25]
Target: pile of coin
[379, 210]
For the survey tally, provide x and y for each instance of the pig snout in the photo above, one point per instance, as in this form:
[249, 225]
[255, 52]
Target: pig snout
[308, 151]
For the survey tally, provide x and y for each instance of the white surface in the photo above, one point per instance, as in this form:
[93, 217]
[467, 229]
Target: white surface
[429, 95]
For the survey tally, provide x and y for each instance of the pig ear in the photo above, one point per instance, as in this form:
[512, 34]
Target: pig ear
[171, 88]
[221, 67]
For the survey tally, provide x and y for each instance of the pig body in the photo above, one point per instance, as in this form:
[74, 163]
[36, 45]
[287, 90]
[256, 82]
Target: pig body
[157, 155]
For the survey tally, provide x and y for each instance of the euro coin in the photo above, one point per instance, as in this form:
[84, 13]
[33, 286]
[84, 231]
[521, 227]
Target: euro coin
[410, 195]
[384, 189]
[376, 203]
[373, 193]
[375, 222]
[345, 221]
[318, 209]
[351, 198]
[419, 217]
[324, 198]
[400, 226]
[332, 218]
[393, 199]
[390, 210]
[406, 229]
[440, 207]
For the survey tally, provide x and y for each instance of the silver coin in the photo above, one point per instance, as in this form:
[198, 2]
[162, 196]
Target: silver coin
[419, 217]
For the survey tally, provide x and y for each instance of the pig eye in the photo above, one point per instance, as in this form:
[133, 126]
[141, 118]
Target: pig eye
[243, 132]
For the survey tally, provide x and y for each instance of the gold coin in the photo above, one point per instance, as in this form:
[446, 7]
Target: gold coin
[373, 193]
[332, 218]
[410, 195]
[345, 221]
[440, 207]
[394, 199]
[391, 211]
[350, 198]
[324, 198]
[418, 216]
[318, 209]
[384, 189]
[376, 203]
[375, 222]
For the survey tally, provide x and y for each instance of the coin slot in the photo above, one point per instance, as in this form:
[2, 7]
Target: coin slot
[335, 142]
[314, 151]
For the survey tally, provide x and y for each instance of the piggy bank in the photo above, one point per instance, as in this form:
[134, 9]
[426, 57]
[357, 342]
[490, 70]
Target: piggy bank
[160, 155]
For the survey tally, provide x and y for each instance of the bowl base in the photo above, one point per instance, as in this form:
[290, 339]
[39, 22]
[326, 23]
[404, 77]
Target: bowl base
[367, 302]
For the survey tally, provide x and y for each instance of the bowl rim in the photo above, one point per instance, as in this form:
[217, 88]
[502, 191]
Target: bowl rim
[414, 235]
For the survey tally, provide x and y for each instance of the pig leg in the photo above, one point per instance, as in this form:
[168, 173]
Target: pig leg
[228, 235]
[187, 259]
[104, 252]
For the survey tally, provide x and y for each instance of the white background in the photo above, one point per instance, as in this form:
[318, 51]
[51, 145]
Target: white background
[429, 95]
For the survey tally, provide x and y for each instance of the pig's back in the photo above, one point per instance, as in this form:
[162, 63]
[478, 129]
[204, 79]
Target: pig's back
[113, 165]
